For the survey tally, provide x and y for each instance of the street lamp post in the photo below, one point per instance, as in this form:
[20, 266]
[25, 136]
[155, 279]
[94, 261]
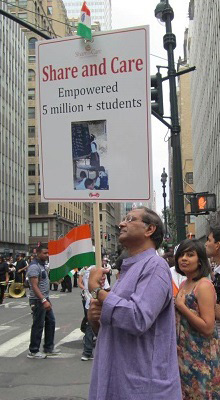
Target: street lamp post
[165, 13]
[164, 180]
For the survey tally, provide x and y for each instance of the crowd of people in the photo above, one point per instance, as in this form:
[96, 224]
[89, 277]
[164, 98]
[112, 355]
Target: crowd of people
[12, 270]
[156, 329]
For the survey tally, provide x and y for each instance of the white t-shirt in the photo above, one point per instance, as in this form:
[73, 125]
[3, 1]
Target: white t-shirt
[85, 273]
[81, 185]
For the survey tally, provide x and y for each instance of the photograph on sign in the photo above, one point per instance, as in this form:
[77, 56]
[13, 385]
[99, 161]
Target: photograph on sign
[89, 149]
[94, 113]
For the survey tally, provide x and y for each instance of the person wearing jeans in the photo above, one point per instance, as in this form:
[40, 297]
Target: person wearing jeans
[42, 319]
[43, 316]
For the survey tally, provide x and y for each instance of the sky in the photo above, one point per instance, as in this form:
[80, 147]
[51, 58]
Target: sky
[127, 14]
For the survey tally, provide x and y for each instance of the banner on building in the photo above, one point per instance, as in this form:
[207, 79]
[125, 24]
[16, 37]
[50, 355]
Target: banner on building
[94, 117]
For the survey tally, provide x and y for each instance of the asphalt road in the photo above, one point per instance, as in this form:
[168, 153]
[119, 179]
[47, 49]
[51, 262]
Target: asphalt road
[64, 377]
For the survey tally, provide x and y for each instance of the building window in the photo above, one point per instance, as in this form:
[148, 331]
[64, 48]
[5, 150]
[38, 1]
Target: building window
[49, 10]
[31, 112]
[22, 3]
[39, 229]
[189, 177]
[31, 150]
[31, 188]
[22, 16]
[31, 43]
[31, 59]
[31, 131]
[31, 169]
[43, 208]
[32, 208]
[31, 75]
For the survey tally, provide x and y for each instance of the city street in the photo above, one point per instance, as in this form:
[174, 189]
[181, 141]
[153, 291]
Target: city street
[63, 377]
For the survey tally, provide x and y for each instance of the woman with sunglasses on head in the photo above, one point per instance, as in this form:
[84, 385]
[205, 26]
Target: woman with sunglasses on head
[197, 338]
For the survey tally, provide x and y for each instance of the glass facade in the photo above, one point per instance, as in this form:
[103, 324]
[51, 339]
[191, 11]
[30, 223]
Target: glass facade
[13, 142]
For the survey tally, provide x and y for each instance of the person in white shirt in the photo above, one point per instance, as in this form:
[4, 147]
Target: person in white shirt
[88, 340]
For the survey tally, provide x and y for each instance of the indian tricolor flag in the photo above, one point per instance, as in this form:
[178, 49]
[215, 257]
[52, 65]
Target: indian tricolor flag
[74, 250]
[84, 25]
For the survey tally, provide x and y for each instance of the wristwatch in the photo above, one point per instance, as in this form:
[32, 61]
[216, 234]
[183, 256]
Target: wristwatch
[95, 292]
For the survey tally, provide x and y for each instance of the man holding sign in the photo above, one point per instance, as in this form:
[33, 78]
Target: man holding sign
[136, 356]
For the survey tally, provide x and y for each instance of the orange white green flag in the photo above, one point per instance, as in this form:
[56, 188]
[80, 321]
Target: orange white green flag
[84, 25]
[74, 250]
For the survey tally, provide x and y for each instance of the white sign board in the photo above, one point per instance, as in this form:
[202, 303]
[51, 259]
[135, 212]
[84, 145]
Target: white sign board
[94, 117]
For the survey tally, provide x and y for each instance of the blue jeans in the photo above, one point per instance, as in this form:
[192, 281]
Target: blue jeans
[88, 343]
[42, 319]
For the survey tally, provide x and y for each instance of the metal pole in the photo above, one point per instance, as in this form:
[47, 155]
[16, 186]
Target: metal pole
[165, 208]
[164, 180]
[169, 41]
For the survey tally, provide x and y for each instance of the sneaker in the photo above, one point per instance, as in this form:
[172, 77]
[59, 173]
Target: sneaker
[38, 355]
[87, 358]
[54, 352]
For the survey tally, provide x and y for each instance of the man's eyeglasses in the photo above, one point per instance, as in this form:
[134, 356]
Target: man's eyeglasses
[129, 218]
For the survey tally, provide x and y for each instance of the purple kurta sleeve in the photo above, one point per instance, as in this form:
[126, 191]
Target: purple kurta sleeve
[138, 313]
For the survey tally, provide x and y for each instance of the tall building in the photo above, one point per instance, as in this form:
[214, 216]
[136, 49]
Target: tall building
[13, 142]
[204, 33]
[110, 217]
[47, 221]
[100, 11]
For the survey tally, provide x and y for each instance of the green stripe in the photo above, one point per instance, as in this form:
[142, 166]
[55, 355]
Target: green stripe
[84, 31]
[78, 261]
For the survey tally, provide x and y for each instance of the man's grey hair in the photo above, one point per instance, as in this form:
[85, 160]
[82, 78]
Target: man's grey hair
[152, 218]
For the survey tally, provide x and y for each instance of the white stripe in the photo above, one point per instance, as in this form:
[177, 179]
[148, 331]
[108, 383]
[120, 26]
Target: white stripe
[3, 328]
[74, 335]
[78, 247]
[17, 345]
[87, 20]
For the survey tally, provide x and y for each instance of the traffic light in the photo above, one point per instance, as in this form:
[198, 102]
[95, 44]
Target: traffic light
[109, 237]
[202, 203]
[157, 94]
[105, 236]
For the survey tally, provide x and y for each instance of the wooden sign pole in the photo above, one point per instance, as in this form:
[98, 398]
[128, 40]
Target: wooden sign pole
[96, 220]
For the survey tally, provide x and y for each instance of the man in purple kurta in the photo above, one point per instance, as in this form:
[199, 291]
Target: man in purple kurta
[136, 355]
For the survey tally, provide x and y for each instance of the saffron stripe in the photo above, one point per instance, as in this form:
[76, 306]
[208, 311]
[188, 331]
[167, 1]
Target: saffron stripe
[78, 261]
[85, 8]
[57, 246]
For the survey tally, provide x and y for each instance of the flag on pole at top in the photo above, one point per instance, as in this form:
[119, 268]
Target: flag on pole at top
[84, 25]
[74, 250]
